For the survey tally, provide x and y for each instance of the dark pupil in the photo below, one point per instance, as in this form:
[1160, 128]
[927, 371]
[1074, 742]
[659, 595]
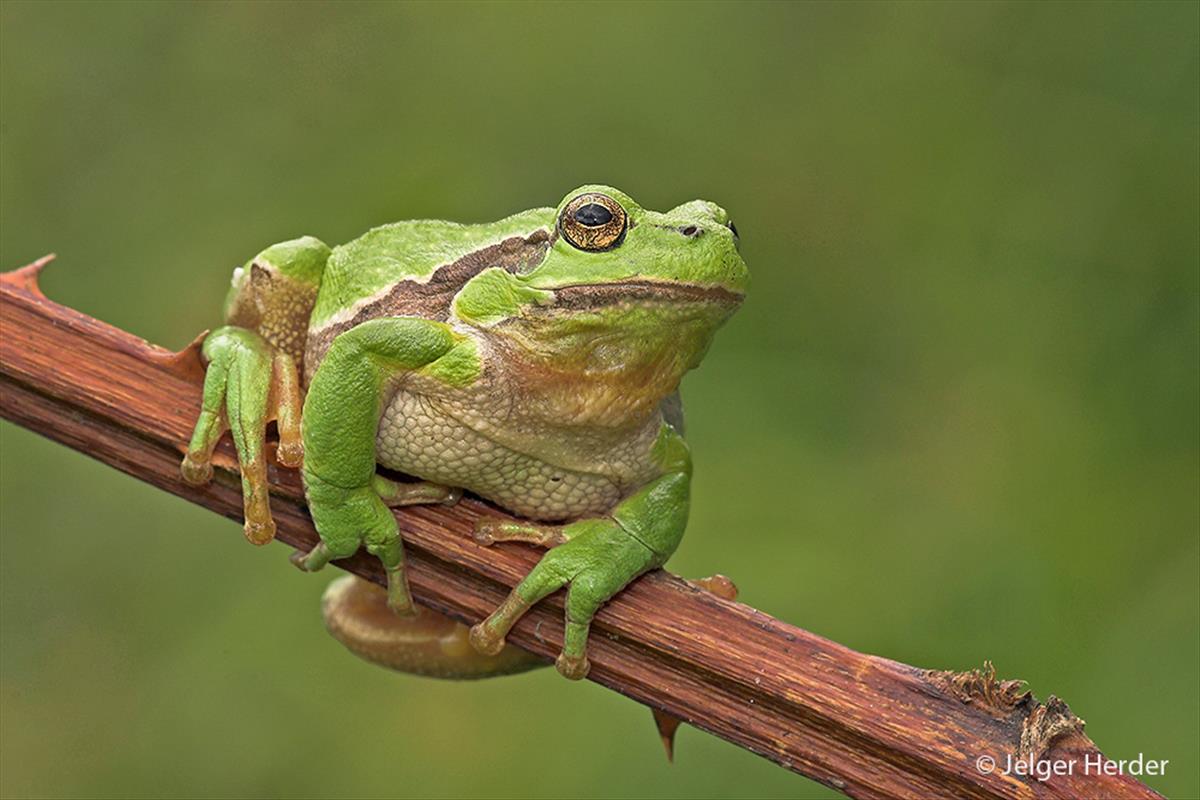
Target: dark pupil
[593, 215]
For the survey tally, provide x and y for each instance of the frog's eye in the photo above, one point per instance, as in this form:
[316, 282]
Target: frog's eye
[593, 221]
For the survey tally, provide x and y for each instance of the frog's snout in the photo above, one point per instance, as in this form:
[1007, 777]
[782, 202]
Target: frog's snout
[692, 231]
[704, 215]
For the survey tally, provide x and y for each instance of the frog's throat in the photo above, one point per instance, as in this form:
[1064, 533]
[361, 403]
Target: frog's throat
[607, 365]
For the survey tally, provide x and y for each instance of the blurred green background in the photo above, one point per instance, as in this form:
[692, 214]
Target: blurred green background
[956, 419]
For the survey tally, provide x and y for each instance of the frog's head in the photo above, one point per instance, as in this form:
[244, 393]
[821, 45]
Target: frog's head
[606, 243]
[623, 295]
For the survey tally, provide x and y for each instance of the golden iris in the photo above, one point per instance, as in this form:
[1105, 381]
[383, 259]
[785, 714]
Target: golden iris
[593, 221]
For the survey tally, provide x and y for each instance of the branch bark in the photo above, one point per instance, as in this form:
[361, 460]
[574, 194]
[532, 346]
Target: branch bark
[866, 726]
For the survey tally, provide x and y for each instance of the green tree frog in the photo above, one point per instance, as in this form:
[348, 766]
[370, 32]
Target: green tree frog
[533, 361]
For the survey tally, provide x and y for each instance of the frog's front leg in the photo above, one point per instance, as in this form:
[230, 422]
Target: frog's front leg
[348, 502]
[597, 557]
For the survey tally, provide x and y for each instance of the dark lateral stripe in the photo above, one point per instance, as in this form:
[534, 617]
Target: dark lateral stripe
[431, 299]
[593, 296]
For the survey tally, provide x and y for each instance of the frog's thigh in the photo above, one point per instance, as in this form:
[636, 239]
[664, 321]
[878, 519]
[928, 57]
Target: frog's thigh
[357, 614]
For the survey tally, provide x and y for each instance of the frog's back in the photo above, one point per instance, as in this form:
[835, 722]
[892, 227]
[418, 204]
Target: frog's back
[414, 268]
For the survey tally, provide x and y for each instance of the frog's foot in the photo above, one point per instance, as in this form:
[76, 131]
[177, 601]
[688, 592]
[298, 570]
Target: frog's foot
[489, 530]
[248, 384]
[597, 560]
[348, 518]
[394, 493]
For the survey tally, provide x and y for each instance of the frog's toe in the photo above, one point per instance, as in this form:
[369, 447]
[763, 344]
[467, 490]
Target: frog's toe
[195, 471]
[313, 560]
[211, 425]
[402, 607]
[256, 506]
[399, 599]
[290, 454]
[393, 493]
[573, 667]
[490, 530]
[285, 406]
[486, 641]
[260, 532]
[484, 532]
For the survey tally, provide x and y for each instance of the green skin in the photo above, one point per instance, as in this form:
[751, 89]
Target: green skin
[498, 358]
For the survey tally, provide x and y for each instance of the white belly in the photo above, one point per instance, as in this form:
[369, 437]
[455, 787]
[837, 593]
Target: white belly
[419, 438]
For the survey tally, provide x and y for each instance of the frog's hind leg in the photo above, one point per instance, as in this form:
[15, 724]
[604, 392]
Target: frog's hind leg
[247, 384]
[394, 493]
[252, 372]
[489, 530]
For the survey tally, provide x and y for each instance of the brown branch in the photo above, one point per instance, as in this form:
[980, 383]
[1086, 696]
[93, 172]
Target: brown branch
[864, 725]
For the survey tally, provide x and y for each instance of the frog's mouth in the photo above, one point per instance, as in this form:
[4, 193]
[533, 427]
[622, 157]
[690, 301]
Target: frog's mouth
[643, 292]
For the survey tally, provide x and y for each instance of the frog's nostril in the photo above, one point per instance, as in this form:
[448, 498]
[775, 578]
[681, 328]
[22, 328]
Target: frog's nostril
[733, 229]
[691, 231]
